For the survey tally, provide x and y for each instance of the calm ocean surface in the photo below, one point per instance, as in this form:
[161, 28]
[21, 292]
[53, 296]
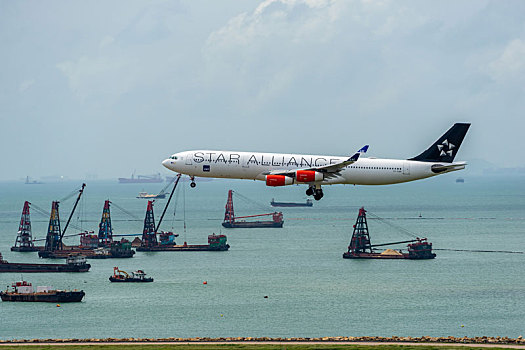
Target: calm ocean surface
[312, 291]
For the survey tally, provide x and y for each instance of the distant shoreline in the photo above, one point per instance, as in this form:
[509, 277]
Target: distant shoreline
[372, 341]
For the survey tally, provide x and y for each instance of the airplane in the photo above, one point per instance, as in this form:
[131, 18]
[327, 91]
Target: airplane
[278, 169]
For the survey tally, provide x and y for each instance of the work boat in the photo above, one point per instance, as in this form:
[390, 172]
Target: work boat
[123, 276]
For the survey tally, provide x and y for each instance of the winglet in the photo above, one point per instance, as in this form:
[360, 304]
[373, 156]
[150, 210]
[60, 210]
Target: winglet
[363, 149]
[354, 158]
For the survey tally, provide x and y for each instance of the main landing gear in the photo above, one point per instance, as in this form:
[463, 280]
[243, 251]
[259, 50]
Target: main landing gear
[316, 191]
[192, 184]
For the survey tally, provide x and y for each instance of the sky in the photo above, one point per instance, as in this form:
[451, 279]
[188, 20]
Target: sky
[107, 88]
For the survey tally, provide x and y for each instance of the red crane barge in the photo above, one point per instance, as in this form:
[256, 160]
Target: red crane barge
[232, 221]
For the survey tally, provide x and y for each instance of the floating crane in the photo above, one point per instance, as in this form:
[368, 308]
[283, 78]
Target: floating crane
[361, 248]
[166, 240]
[232, 221]
[54, 247]
[24, 238]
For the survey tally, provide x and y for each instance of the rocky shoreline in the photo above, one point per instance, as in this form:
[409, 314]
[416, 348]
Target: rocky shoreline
[394, 339]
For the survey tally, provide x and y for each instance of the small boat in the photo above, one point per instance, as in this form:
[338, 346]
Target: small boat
[123, 276]
[308, 203]
[23, 291]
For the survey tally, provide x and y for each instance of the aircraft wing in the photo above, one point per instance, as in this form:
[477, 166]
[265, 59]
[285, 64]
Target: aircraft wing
[329, 171]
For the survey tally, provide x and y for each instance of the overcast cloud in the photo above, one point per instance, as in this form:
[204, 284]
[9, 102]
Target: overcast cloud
[106, 88]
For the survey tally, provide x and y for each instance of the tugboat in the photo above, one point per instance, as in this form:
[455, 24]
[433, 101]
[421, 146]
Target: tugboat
[123, 276]
[23, 291]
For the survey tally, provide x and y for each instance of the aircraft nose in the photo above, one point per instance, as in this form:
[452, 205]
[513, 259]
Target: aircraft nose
[166, 163]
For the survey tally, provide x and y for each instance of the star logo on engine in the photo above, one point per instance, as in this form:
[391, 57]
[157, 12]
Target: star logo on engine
[446, 148]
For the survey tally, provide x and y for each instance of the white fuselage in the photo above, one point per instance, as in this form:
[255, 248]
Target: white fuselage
[255, 166]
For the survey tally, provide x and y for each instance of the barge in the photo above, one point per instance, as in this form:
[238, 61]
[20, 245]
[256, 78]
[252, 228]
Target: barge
[215, 243]
[308, 203]
[23, 291]
[74, 263]
[120, 249]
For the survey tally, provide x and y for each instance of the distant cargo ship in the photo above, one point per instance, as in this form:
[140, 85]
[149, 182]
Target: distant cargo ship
[146, 195]
[32, 182]
[308, 203]
[141, 179]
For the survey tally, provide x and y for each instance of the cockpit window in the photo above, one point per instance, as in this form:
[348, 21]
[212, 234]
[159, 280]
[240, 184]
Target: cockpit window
[173, 157]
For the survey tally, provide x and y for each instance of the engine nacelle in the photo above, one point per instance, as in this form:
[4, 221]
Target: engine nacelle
[308, 176]
[278, 180]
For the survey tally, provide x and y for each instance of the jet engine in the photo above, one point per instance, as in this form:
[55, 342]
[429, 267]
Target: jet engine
[308, 176]
[278, 180]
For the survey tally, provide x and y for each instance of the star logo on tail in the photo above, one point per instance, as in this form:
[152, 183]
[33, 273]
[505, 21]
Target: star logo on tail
[446, 148]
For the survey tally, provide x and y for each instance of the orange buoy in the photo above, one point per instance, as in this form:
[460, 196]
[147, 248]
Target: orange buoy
[58, 305]
[205, 282]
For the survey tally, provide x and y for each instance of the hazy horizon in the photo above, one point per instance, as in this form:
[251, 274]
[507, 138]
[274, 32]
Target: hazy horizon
[98, 89]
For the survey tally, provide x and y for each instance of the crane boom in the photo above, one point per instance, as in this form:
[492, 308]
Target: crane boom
[71, 215]
[167, 203]
[383, 244]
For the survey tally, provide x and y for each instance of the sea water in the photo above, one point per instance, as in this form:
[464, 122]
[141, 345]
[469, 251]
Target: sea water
[288, 282]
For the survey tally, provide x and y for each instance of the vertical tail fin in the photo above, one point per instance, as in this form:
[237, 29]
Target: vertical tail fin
[446, 147]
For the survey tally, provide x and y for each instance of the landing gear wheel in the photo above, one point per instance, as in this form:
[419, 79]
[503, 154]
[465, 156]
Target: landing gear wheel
[193, 184]
[309, 191]
[318, 194]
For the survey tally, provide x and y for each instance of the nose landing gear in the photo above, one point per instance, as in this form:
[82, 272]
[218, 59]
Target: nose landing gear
[192, 184]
